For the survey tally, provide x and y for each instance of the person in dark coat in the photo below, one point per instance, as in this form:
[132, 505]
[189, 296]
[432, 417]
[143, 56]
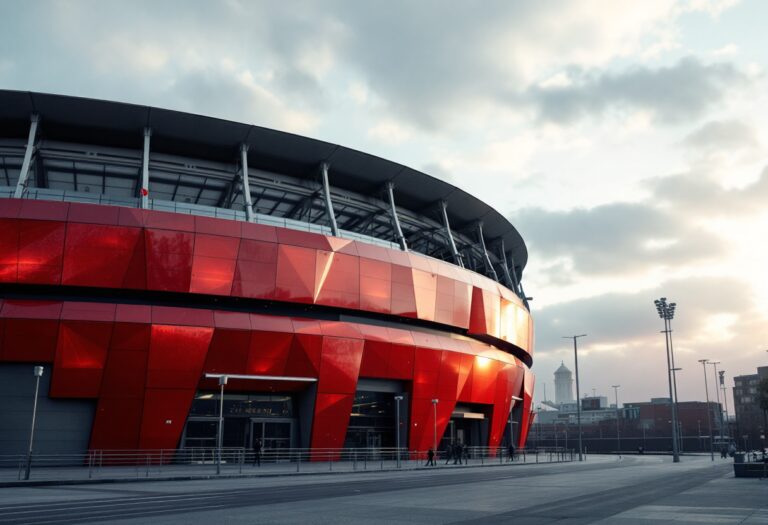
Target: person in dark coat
[458, 450]
[511, 452]
[448, 453]
[430, 458]
[257, 452]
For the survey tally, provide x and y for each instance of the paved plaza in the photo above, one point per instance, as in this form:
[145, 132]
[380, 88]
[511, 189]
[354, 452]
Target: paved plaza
[604, 489]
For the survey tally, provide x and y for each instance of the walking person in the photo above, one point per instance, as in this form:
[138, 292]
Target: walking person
[448, 453]
[257, 452]
[430, 458]
[511, 452]
[457, 452]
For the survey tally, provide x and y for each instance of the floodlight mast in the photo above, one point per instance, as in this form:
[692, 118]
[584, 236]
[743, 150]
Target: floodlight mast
[666, 312]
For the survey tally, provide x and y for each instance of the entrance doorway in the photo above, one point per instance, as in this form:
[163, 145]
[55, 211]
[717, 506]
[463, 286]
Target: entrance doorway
[247, 417]
[275, 434]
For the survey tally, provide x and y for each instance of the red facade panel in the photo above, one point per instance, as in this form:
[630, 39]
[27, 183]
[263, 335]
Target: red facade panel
[295, 280]
[80, 356]
[337, 280]
[117, 423]
[169, 259]
[176, 356]
[41, 248]
[29, 340]
[9, 250]
[163, 417]
[144, 363]
[375, 286]
[97, 255]
[331, 419]
[256, 270]
[340, 365]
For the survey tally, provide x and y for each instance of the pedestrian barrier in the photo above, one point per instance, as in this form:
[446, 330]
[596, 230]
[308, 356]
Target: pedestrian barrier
[195, 462]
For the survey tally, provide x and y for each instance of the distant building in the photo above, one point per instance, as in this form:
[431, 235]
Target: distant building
[750, 419]
[563, 385]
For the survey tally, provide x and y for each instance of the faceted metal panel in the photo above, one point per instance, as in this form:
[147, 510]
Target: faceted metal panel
[9, 250]
[375, 357]
[169, 259]
[256, 270]
[163, 417]
[117, 423]
[331, 419]
[268, 353]
[41, 246]
[80, 357]
[213, 266]
[176, 356]
[124, 374]
[337, 280]
[375, 286]
[340, 365]
[295, 279]
[29, 340]
[171, 252]
[144, 363]
[97, 255]
[229, 351]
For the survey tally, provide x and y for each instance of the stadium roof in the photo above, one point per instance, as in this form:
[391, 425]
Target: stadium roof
[117, 124]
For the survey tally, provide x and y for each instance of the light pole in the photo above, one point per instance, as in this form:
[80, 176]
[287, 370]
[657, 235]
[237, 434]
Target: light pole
[578, 393]
[667, 313]
[220, 436]
[725, 400]
[709, 417]
[618, 435]
[717, 391]
[397, 428]
[434, 435]
[38, 372]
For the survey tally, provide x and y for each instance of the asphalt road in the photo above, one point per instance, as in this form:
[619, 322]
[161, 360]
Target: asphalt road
[602, 489]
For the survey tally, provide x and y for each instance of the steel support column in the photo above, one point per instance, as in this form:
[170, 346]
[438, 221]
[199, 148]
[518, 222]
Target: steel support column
[246, 184]
[456, 257]
[144, 192]
[395, 220]
[485, 251]
[21, 184]
[328, 203]
[505, 266]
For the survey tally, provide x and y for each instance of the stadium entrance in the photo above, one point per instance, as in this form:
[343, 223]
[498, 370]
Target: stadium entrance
[247, 417]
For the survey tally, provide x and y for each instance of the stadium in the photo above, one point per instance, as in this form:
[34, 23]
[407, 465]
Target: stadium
[350, 301]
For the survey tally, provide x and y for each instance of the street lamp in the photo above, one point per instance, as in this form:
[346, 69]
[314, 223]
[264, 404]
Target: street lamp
[667, 313]
[578, 393]
[397, 428]
[717, 391]
[725, 400]
[220, 436]
[434, 436]
[618, 436]
[709, 418]
[38, 372]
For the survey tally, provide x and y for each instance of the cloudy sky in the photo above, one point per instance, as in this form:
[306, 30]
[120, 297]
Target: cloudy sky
[627, 141]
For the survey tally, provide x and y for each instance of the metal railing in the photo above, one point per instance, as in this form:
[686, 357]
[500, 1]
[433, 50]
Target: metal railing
[202, 462]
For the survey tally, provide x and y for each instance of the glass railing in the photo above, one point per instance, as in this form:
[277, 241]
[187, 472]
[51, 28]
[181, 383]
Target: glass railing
[190, 209]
